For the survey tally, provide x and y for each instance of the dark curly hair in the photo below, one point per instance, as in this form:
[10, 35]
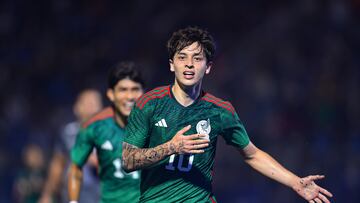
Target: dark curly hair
[122, 70]
[185, 37]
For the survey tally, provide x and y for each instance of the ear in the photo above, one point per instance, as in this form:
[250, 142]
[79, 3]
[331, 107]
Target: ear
[209, 65]
[110, 94]
[171, 65]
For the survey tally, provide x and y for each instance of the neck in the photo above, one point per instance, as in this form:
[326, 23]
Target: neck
[186, 95]
[120, 119]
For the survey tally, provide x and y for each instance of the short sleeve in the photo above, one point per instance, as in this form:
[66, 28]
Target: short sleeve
[137, 129]
[83, 147]
[233, 130]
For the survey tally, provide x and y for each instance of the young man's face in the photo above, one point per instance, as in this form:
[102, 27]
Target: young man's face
[124, 95]
[190, 65]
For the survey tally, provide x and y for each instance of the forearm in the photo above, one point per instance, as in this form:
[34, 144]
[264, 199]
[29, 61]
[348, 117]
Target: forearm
[266, 165]
[139, 158]
[56, 169]
[74, 182]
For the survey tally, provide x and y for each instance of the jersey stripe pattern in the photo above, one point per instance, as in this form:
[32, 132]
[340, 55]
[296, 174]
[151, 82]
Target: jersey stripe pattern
[181, 178]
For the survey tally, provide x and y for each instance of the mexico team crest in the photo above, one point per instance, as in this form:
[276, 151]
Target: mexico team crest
[204, 127]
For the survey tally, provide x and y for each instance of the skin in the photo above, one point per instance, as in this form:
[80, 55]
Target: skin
[186, 89]
[87, 104]
[123, 97]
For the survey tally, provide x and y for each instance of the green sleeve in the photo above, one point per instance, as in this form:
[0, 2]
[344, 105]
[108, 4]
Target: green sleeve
[234, 131]
[83, 147]
[137, 129]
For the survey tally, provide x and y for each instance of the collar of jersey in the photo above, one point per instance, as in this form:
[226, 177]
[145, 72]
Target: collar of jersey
[197, 100]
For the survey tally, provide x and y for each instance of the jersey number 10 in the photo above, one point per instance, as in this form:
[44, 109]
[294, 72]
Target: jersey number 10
[180, 166]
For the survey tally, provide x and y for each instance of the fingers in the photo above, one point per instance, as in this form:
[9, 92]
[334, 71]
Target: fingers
[311, 201]
[327, 193]
[317, 200]
[323, 198]
[197, 151]
[316, 177]
[182, 131]
[198, 146]
[194, 136]
[195, 146]
[196, 142]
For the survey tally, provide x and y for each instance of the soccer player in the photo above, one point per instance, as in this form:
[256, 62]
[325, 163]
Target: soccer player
[105, 132]
[172, 132]
[87, 103]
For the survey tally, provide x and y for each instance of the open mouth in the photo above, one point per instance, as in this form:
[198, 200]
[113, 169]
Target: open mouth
[189, 74]
[129, 104]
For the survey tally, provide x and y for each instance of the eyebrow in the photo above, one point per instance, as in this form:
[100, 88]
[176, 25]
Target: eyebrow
[195, 54]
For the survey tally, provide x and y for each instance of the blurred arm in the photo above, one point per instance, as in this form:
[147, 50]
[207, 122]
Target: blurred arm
[93, 160]
[74, 182]
[53, 181]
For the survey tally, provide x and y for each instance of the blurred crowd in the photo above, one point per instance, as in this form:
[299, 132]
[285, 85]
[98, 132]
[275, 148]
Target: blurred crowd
[290, 68]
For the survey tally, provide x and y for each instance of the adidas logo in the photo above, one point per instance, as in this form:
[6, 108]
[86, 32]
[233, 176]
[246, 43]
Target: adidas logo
[161, 123]
[107, 146]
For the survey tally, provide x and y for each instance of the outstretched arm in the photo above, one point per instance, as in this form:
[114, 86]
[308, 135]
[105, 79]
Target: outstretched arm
[74, 183]
[266, 165]
[138, 158]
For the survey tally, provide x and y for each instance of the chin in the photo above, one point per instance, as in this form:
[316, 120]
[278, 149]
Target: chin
[124, 112]
[189, 83]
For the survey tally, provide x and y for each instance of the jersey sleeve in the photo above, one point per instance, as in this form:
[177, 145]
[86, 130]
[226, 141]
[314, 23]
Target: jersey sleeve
[137, 129]
[83, 147]
[233, 130]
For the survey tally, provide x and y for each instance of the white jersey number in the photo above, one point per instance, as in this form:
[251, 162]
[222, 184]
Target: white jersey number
[180, 165]
[119, 173]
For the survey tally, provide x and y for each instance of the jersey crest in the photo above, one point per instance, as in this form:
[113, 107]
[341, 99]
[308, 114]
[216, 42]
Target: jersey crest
[204, 127]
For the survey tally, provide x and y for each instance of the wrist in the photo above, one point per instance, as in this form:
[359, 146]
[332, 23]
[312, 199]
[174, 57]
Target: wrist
[171, 148]
[295, 183]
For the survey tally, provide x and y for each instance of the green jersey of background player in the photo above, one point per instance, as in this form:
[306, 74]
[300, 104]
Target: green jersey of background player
[172, 132]
[105, 132]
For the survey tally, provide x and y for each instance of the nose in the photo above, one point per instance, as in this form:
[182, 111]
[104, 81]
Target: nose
[130, 95]
[189, 64]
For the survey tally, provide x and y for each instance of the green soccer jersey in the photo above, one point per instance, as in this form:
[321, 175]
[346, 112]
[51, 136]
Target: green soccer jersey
[106, 136]
[156, 118]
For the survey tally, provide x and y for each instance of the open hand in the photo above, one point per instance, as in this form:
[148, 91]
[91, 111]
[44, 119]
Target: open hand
[313, 193]
[189, 144]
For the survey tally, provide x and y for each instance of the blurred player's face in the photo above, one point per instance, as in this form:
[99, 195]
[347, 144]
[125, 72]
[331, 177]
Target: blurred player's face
[190, 65]
[87, 104]
[124, 95]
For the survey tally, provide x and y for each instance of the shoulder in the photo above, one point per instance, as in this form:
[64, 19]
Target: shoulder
[157, 93]
[219, 103]
[102, 115]
[71, 128]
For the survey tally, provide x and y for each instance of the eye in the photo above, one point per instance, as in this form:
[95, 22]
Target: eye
[198, 58]
[121, 89]
[181, 57]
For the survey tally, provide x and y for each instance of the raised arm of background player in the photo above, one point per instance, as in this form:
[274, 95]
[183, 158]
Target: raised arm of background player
[266, 165]
[135, 158]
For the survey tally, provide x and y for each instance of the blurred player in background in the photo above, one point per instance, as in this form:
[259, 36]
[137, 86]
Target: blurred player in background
[87, 103]
[104, 132]
[172, 132]
[30, 179]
